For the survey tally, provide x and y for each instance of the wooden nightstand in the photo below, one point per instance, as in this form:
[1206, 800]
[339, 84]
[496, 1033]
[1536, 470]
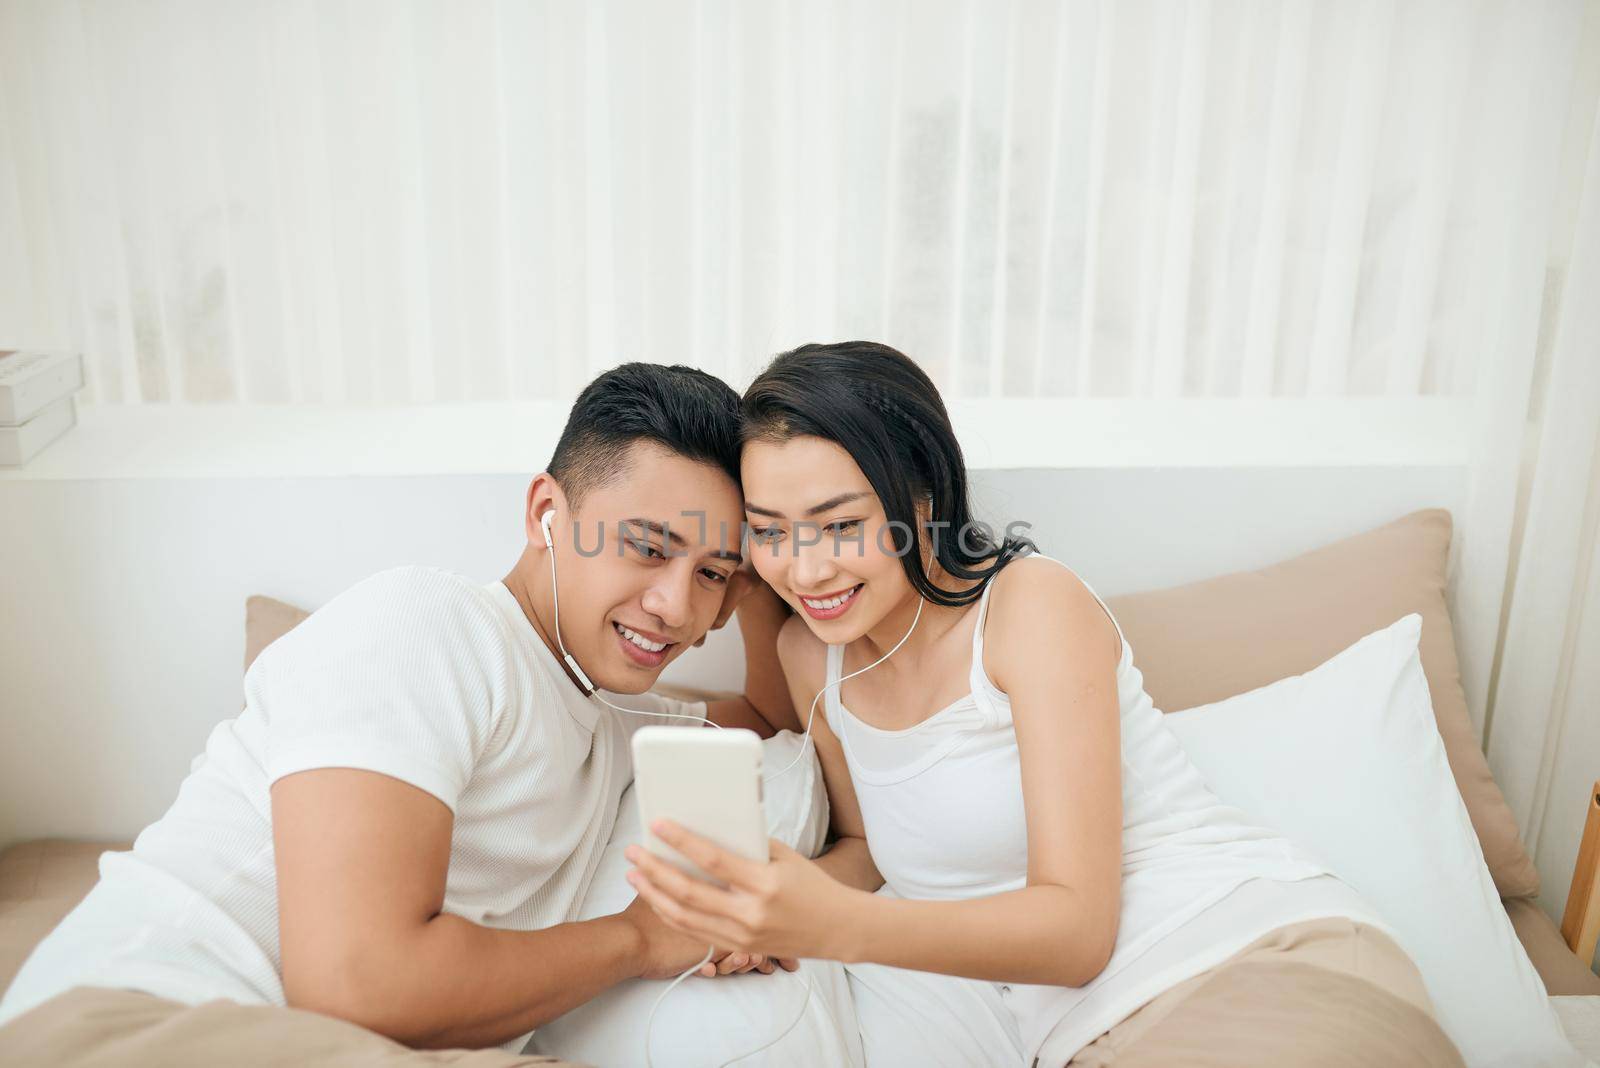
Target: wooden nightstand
[1581, 924]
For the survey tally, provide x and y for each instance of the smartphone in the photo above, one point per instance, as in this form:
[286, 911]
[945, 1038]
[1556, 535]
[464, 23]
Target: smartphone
[707, 781]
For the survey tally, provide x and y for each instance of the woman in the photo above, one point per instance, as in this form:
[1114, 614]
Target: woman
[1026, 867]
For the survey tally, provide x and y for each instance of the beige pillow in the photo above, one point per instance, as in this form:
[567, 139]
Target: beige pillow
[265, 621]
[1223, 636]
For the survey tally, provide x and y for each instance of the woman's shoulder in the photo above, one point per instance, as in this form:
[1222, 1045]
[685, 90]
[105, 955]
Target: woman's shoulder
[801, 654]
[1037, 599]
[1036, 580]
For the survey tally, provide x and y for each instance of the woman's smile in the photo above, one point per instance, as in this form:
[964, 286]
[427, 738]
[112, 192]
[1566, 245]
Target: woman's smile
[833, 605]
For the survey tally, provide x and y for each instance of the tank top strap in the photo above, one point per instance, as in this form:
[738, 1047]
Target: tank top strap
[830, 684]
[977, 631]
[982, 689]
[838, 715]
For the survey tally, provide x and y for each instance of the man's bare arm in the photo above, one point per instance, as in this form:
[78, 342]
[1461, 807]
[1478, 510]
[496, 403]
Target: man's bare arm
[361, 867]
[766, 706]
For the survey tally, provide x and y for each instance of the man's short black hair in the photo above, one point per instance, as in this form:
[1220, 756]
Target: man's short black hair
[681, 409]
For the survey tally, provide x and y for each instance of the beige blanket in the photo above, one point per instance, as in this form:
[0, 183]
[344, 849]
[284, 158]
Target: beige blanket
[94, 1028]
[1330, 993]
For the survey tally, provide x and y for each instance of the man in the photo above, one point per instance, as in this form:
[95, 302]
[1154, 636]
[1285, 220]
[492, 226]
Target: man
[400, 826]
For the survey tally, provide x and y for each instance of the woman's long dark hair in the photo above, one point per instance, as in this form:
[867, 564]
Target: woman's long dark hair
[879, 406]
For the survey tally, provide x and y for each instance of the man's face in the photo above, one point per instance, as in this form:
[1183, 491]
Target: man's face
[643, 563]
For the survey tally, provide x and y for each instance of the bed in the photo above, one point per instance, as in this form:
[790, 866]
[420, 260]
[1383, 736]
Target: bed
[40, 882]
[1309, 606]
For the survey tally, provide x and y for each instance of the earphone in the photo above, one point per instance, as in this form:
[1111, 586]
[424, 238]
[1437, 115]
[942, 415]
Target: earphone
[805, 738]
[546, 521]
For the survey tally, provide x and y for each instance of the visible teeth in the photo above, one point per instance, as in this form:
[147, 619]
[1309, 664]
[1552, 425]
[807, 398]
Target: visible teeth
[641, 641]
[831, 602]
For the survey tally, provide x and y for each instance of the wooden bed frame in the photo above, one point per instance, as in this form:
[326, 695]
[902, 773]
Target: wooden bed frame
[1580, 926]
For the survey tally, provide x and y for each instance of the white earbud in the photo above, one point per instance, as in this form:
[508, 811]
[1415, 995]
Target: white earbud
[804, 742]
[546, 521]
[811, 715]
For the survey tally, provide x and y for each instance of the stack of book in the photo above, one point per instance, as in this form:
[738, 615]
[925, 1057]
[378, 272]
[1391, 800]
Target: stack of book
[36, 405]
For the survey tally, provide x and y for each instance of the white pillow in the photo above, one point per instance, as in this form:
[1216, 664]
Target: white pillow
[1347, 760]
[794, 801]
[708, 1021]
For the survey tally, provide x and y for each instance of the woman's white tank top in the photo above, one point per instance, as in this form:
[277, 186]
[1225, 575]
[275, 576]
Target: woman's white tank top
[943, 809]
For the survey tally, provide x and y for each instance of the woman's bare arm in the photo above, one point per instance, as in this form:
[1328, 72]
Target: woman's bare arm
[1054, 651]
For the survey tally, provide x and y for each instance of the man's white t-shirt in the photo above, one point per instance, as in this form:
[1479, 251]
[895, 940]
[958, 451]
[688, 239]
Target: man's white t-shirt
[419, 674]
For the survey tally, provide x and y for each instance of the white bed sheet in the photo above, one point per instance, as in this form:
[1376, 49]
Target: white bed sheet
[1580, 1018]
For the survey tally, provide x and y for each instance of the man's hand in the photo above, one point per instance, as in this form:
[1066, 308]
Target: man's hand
[739, 963]
[740, 583]
[365, 937]
[665, 953]
[766, 706]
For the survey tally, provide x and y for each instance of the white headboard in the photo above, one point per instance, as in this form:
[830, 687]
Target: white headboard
[121, 635]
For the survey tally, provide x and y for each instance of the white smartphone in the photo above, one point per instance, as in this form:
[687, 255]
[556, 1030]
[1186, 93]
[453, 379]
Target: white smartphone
[707, 781]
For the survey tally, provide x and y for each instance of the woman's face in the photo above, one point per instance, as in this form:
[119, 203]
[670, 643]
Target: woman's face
[819, 537]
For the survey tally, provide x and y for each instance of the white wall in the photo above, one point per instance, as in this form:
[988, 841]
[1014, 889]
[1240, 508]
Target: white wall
[121, 632]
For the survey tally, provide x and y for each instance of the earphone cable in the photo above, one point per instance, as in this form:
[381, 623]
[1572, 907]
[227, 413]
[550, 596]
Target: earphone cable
[805, 741]
[835, 684]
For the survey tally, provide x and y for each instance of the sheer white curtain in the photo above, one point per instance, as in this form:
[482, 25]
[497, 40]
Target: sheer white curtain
[1544, 690]
[381, 202]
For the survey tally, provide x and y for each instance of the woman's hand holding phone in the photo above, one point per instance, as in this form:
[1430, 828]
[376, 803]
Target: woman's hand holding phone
[710, 780]
[665, 951]
[786, 908]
